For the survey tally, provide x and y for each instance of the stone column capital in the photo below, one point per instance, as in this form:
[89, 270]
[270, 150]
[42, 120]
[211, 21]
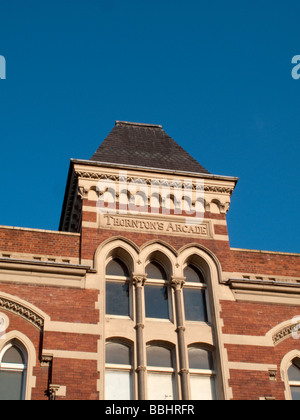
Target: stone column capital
[178, 282]
[138, 280]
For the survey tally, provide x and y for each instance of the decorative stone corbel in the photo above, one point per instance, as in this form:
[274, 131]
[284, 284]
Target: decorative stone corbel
[56, 391]
[83, 193]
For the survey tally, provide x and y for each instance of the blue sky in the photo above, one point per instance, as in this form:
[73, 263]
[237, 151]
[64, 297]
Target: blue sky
[216, 74]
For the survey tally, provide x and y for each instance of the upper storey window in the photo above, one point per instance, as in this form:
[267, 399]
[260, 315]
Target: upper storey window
[194, 294]
[117, 288]
[156, 292]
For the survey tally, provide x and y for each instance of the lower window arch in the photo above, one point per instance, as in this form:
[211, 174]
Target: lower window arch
[13, 370]
[160, 373]
[118, 371]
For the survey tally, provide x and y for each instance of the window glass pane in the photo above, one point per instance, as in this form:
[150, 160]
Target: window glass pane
[295, 390]
[195, 305]
[117, 268]
[117, 299]
[156, 302]
[200, 359]
[155, 271]
[11, 386]
[202, 388]
[13, 355]
[117, 385]
[118, 354]
[294, 373]
[193, 274]
[159, 356]
[160, 386]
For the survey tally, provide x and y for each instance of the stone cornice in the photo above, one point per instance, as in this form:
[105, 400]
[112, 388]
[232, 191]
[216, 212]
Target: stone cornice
[264, 285]
[43, 266]
[219, 189]
[150, 170]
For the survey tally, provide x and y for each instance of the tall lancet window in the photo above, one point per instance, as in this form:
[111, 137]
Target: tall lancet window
[194, 293]
[156, 292]
[117, 288]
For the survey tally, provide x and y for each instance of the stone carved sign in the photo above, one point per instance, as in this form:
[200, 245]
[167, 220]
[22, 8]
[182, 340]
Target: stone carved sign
[152, 225]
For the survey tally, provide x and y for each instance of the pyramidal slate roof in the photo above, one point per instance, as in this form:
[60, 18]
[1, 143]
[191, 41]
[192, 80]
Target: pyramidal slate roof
[147, 146]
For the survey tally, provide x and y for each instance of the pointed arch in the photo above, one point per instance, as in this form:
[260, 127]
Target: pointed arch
[30, 357]
[116, 247]
[199, 254]
[286, 363]
[161, 252]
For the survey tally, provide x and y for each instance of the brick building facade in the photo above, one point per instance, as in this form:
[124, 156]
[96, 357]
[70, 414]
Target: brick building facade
[139, 294]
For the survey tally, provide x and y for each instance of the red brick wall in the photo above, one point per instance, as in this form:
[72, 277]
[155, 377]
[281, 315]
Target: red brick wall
[65, 305]
[265, 263]
[39, 242]
[61, 304]
[256, 319]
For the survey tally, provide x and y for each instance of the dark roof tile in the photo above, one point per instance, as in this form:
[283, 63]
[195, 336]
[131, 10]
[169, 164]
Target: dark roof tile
[147, 146]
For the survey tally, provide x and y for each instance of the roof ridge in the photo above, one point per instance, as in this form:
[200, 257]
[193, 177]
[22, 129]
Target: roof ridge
[133, 124]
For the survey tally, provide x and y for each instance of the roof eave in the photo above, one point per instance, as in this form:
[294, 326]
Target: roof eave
[155, 170]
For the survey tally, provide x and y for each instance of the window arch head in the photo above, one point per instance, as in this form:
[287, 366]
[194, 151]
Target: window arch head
[118, 353]
[200, 358]
[13, 363]
[159, 356]
[13, 355]
[117, 268]
[193, 274]
[159, 263]
[155, 270]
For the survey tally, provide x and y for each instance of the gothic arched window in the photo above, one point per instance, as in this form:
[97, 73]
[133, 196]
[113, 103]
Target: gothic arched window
[194, 295]
[13, 363]
[294, 379]
[156, 292]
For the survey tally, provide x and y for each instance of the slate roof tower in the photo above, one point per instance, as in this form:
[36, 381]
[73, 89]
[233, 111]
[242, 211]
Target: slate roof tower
[145, 145]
